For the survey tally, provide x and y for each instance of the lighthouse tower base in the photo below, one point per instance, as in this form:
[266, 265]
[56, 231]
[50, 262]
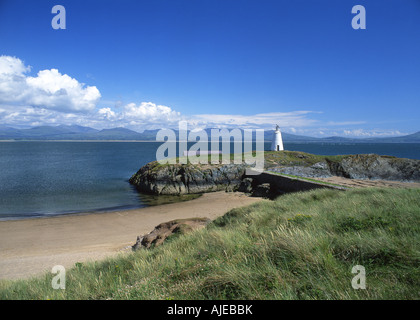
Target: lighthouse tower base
[277, 142]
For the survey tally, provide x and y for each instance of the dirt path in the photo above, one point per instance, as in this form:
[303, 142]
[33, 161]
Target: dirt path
[369, 183]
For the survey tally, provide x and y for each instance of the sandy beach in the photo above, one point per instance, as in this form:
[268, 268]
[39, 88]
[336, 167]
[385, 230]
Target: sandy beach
[32, 247]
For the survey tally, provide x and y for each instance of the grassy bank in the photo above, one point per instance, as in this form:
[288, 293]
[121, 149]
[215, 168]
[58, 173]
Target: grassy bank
[271, 158]
[300, 246]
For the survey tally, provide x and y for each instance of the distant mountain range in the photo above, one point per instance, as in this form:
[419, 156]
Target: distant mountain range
[75, 132]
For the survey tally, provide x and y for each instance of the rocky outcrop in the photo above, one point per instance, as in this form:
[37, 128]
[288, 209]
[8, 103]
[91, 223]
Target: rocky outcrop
[360, 166]
[179, 179]
[374, 167]
[317, 170]
[262, 190]
[167, 229]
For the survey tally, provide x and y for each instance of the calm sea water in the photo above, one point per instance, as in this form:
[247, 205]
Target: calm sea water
[40, 179]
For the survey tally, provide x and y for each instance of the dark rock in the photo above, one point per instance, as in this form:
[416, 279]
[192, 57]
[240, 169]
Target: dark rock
[246, 185]
[360, 166]
[374, 167]
[167, 229]
[318, 170]
[262, 190]
[179, 179]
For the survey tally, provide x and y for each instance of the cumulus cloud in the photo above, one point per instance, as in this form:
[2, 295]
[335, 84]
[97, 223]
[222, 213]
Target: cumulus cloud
[12, 66]
[53, 90]
[12, 79]
[107, 113]
[148, 111]
[53, 98]
[146, 115]
[48, 90]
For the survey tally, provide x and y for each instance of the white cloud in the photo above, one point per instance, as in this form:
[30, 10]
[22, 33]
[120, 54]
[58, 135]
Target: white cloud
[12, 79]
[148, 111]
[345, 123]
[261, 120]
[49, 89]
[53, 90]
[362, 133]
[12, 66]
[52, 98]
[107, 113]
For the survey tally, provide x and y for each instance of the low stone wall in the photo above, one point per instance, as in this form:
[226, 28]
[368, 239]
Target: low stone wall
[282, 184]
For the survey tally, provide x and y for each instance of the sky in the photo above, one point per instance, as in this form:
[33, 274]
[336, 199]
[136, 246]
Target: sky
[148, 64]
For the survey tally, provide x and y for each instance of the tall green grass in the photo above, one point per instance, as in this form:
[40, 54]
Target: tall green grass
[300, 246]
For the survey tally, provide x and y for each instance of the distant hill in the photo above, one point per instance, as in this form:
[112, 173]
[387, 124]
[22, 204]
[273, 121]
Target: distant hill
[411, 138]
[116, 134]
[75, 132]
[46, 133]
[68, 133]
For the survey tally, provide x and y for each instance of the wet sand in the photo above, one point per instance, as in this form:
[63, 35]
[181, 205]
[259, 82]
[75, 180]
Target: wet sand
[32, 247]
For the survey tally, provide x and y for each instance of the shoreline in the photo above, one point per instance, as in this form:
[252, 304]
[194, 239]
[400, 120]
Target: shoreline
[31, 247]
[65, 214]
[81, 140]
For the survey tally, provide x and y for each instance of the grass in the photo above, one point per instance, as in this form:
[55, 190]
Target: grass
[300, 246]
[296, 158]
[205, 160]
[271, 158]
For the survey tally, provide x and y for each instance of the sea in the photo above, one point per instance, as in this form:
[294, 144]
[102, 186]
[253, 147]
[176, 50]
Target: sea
[50, 178]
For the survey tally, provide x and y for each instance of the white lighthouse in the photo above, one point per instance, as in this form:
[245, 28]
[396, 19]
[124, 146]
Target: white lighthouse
[277, 143]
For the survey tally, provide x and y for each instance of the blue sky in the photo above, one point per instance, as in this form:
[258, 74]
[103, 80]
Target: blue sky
[215, 63]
